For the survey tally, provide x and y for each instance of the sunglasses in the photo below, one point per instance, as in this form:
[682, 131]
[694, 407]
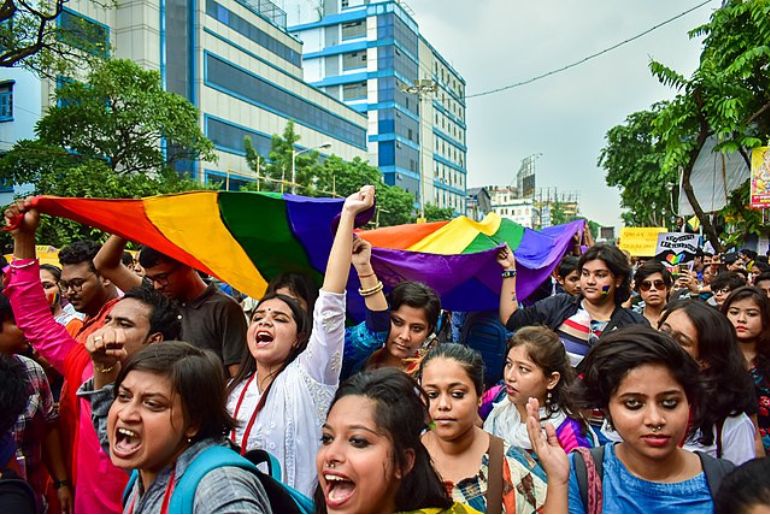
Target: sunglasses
[647, 285]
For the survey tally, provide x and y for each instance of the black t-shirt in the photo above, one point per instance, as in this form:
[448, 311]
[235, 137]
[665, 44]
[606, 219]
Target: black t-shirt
[216, 322]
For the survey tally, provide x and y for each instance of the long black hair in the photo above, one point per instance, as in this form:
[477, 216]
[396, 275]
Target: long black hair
[401, 412]
[248, 364]
[726, 382]
[745, 489]
[618, 352]
[762, 360]
[547, 351]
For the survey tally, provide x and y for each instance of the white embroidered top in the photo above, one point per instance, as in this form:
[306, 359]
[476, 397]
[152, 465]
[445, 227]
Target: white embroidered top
[289, 425]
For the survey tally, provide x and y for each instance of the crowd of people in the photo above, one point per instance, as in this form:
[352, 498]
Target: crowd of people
[141, 387]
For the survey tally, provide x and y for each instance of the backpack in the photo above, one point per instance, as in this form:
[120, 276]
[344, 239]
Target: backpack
[589, 468]
[16, 496]
[282, 497]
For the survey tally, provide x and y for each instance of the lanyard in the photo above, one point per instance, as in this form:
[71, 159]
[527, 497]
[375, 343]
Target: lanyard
[252, 419]
[166, 496]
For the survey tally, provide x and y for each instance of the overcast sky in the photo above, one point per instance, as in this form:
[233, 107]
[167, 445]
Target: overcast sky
[565, 117]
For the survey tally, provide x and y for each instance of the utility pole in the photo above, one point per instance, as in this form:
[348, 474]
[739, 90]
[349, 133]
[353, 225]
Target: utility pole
[424, 89]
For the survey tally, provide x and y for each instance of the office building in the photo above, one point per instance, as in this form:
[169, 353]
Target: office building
[371, 55]
[237, 63]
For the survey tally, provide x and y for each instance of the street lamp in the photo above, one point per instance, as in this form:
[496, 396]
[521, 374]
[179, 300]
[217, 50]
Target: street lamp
[424, 89]
[294, 155]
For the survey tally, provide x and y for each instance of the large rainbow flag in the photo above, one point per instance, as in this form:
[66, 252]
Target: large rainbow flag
[246, 238]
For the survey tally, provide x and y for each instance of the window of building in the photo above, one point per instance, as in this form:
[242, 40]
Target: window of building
[6, 102]
[355, 91]
[354, 60]
[258, 91]
[252, 32]
[353, 30]
[83, 34]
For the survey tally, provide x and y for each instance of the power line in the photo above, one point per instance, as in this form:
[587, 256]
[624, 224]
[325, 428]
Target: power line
[588, 58]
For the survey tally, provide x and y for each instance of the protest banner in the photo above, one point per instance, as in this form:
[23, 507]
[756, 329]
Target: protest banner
[760, 178]
[676, 248]
[640, 241]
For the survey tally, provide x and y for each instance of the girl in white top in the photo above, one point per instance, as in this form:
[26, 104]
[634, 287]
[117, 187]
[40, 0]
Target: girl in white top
[287, 380]
[726, 429]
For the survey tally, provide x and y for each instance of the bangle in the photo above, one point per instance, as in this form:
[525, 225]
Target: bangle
[16, 266]
[105, 369]
[366, 275]
[371, 291]
[58, 483]
[507, 274]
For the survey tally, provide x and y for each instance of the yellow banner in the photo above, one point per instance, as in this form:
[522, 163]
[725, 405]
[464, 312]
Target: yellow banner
[760, 177]
[640, 241]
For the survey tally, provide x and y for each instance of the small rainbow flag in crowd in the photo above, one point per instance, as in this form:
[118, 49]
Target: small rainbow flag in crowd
[246, 238]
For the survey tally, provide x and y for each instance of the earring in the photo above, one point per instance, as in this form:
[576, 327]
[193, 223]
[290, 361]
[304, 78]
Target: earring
[548, 398]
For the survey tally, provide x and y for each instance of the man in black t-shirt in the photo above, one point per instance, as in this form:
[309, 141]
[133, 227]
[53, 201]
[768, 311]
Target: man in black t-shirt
[210, 319]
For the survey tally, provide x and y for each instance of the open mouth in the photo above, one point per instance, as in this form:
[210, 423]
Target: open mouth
[338, 490]
[127, 442]
[264, 338]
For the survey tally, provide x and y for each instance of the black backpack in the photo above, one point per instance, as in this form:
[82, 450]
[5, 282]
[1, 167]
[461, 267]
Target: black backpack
[16, 496]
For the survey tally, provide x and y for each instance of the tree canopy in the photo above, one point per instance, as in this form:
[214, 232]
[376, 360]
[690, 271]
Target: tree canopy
[105, 138]
[728, 97]
[33, 36]
[332, 177]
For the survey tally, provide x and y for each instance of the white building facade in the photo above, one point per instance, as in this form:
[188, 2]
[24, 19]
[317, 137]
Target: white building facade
[236, 62]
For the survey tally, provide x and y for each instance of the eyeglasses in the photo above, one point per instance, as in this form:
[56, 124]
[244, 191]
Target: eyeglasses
[647, 285]
[74, 285]
[162, 278]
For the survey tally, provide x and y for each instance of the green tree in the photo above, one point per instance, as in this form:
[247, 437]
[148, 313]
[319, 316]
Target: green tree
[633, 160]
[335, 177]
[558, 215]
[104, 140]
[727, 97]
[122, 115]
[31, 37]
[437, 214]
[276, 169]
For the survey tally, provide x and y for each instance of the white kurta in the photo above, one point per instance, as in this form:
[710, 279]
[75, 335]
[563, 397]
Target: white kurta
[289, 425]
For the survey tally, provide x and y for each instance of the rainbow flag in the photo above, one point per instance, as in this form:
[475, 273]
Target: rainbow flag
[459, 257]
[246, 238]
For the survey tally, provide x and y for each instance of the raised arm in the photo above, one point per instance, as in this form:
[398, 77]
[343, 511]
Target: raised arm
[508, 301]
[362, 262]
[322, 358]
[109, 264]
[338, 266]
[25, 293]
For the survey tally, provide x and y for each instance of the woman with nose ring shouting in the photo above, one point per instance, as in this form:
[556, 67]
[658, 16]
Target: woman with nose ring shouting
[580, 320]
[288, 377]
